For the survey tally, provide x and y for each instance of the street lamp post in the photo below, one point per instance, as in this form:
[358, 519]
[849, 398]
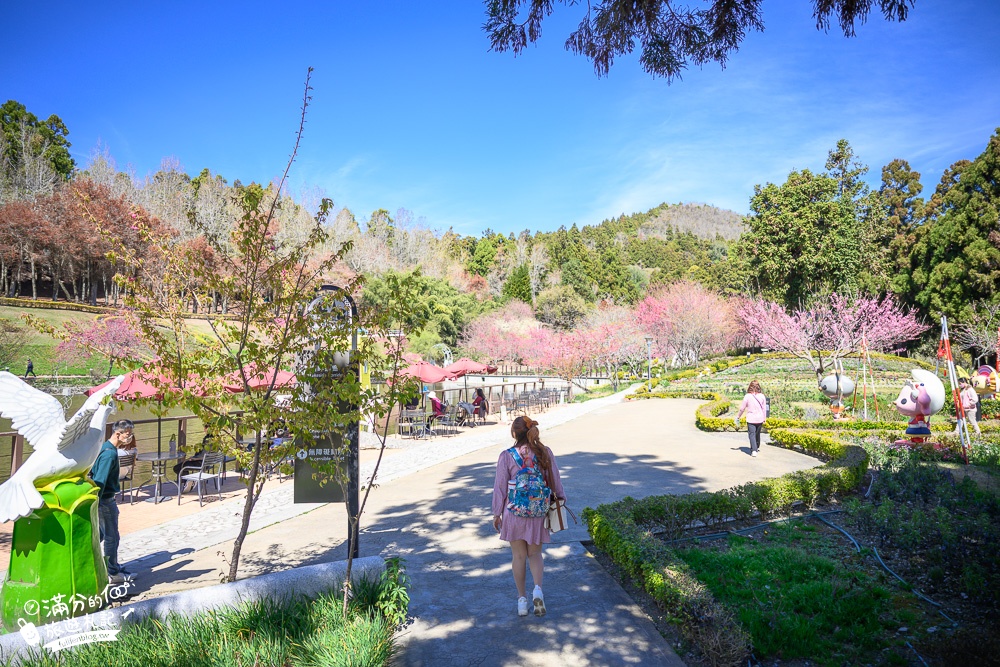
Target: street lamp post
[649, 355]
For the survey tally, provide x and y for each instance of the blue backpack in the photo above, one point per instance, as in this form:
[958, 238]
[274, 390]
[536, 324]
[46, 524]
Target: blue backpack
[527, 494]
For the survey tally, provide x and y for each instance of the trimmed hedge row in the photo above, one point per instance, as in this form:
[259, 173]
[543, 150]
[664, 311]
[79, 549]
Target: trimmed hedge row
[707, 416]
[668, 580]
[733, 362]
[54, 305]
[625, 530]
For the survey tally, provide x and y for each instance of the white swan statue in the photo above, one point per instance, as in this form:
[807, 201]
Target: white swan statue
[61, 448]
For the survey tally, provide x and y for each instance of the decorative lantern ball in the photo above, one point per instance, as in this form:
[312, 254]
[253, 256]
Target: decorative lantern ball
[830, 388]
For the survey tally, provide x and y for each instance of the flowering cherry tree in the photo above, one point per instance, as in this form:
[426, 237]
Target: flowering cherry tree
[688, 319]
[113, 337]
[611, 337]
[835, 327]
[562, 352]
[508, 334]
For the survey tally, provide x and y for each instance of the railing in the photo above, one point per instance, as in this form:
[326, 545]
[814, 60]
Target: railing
[495, 395]
[14, 450]
[153, 433]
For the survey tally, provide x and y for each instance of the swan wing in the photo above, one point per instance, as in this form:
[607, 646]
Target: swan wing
[33, 413]
[79, 423]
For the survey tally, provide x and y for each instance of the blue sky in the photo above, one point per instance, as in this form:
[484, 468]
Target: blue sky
[410, 108]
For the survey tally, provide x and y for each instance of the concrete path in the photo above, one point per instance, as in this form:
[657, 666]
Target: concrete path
[439, 520]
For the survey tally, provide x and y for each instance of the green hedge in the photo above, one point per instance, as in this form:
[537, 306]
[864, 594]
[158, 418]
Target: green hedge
[707, 417]
[668, 580]
[54, 305]
[733, 362]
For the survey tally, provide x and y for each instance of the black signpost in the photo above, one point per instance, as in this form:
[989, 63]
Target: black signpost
[311, 485]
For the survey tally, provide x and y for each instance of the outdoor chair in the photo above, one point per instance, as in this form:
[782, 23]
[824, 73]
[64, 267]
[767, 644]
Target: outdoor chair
[412, 423]
[449, 420]
[210, 469]
[482, 410]
[126, 473]
[283, 467]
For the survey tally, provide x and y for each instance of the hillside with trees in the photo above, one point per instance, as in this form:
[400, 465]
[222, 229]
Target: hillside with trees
[818, 234]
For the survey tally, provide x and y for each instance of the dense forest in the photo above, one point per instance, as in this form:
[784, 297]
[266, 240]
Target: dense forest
[816, 234]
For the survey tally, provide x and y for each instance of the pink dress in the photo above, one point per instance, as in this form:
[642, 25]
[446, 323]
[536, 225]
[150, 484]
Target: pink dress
[532, 531]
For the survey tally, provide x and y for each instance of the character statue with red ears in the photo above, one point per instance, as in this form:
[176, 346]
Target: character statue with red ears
[921, 397]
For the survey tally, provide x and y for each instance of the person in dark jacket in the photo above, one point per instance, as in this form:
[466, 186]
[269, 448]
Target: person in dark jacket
[105, 473]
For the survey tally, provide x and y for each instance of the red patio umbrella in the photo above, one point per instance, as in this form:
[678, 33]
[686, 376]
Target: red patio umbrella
[466, 365]
[141, 383]
[260, 380]
[428, 372]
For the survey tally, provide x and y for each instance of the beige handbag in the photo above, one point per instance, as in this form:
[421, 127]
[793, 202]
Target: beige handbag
[558, 517]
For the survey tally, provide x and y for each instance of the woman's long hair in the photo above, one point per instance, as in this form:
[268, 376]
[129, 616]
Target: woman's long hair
[525, 431]
[754, 388]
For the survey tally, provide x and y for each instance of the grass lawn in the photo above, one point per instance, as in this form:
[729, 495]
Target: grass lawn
[801, 593]
[600, 391]
[41, 348]
[791, 386]
[302, 633]
[805, 594]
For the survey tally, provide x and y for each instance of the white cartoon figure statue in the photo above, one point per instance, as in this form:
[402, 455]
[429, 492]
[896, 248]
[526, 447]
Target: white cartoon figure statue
[920, 398]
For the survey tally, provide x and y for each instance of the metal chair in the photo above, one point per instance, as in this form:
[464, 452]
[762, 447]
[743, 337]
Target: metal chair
[450, 418]
[126, 473]
[412, 423]
[210, 469]
[482, 410]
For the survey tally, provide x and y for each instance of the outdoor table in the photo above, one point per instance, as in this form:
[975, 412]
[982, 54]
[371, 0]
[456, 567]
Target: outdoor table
[159, 470]
[225, 460]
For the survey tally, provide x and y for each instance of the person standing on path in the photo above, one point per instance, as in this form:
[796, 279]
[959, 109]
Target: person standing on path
[970, 401]
[526, 534]
[30, 369]
[105, 474]
[755, 406]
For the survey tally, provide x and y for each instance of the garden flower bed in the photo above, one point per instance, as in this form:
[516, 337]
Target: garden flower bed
[803, 591]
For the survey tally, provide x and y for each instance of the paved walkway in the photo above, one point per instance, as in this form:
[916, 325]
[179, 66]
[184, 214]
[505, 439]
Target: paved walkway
[431, 507]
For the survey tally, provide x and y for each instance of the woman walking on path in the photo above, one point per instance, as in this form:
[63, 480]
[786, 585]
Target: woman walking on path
[755, 406]
[526, 534]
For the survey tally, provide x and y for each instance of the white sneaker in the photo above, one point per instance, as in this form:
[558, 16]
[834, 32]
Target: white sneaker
[522, 606]
[753, 453]
[115, 579]
[539, 601]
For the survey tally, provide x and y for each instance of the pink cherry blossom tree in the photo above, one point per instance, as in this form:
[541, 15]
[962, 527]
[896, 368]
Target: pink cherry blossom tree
[111, 337]
[562, 352]
[507, 334]
[835, 327]
[612, 338]
[689, 319]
